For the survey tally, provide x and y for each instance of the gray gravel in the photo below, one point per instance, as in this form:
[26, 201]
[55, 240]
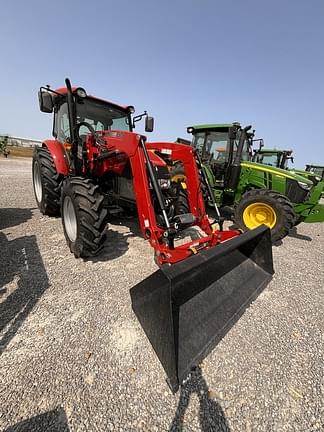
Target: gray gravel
[75, 358]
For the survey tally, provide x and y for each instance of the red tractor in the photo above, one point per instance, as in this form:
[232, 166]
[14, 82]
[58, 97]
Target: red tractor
[97, 167]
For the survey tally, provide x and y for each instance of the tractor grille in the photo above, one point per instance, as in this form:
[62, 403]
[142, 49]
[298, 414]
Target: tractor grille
[313, 179]
[294, 192]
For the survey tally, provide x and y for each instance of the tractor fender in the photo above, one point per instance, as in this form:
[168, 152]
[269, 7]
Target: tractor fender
[59, 156]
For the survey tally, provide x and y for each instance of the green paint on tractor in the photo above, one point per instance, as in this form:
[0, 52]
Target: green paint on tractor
[280, 158]
[253, 193]
[273, 157]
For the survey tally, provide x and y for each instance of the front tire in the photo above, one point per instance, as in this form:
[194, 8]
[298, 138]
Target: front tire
[267, 207]
[46, 182]
[182, 204]
[83, 216]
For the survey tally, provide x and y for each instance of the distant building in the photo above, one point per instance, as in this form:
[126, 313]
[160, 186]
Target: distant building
[21, 142]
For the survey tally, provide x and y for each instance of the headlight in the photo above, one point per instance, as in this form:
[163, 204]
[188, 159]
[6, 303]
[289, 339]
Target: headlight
[317, 178]
[164, 183]
[305, 186]
[81, 92]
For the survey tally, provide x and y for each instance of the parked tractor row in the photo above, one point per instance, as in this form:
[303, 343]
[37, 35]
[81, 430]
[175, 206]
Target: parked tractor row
[248, 190]
[280, 158]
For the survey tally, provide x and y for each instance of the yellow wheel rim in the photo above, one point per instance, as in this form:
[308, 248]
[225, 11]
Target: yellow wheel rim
[259, 213]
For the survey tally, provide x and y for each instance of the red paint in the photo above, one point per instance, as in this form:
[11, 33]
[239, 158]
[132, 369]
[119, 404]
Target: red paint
[121, 148]
[125, 147]
[64, 91]
[59, 156]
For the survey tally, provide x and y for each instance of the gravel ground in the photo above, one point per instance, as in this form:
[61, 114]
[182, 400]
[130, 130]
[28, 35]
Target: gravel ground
[74, 358]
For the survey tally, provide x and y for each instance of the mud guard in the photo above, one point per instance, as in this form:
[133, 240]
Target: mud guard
[187, 308]
[59, 156]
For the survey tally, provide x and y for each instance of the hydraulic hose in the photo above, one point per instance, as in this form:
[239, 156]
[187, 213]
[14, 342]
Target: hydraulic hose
[219, 219]
[155, 183]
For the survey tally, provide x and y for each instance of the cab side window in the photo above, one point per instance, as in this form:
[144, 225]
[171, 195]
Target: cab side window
[62, 127]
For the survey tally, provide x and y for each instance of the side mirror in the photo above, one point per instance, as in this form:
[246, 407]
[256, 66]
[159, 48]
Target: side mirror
[45, 101]
[149, 124]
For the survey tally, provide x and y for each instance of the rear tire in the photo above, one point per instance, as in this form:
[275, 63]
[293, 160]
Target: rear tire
[177, 174]
[267, 207]
[46, 182]
[83, 216]
[182, 205]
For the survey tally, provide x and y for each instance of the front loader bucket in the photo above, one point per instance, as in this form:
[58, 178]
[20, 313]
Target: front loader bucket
[185, 309]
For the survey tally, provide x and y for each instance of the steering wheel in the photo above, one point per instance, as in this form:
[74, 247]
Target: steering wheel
[93, 132]
[87, 125]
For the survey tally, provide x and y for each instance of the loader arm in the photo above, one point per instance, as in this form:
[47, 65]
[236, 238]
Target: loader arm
[125, 146]
[147, 218]
[186, 308]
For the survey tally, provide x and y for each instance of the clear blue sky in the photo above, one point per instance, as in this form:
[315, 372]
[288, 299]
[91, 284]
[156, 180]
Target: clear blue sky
[259, 62]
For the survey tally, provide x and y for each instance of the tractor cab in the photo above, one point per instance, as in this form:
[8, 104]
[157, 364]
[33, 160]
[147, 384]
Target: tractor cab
[78, 115]
[102, 116]
[247, 191]
[272, 157]
[318, 170]
[221, 146]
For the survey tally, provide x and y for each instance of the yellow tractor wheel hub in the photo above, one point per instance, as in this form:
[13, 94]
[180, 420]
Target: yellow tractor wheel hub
[178, 177]
[259, 213]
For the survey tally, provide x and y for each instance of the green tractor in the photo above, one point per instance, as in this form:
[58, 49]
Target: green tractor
[280, 158]
[315, 173]
[318, 170]
[251, 193]
[272, 157]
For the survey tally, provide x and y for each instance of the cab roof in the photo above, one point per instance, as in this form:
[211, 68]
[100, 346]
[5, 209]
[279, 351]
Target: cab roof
[315, 166]
[63, 91]
[269, 150]
[215, 126]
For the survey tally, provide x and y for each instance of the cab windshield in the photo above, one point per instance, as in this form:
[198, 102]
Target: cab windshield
[317, 170]
[267, 159]
[214, 146]
[101, 116]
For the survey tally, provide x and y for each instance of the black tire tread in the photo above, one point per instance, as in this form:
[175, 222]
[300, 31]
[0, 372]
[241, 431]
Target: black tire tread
[282, 203]
[178, 169]
[182, 206]
[91, 214]
[51, 182]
